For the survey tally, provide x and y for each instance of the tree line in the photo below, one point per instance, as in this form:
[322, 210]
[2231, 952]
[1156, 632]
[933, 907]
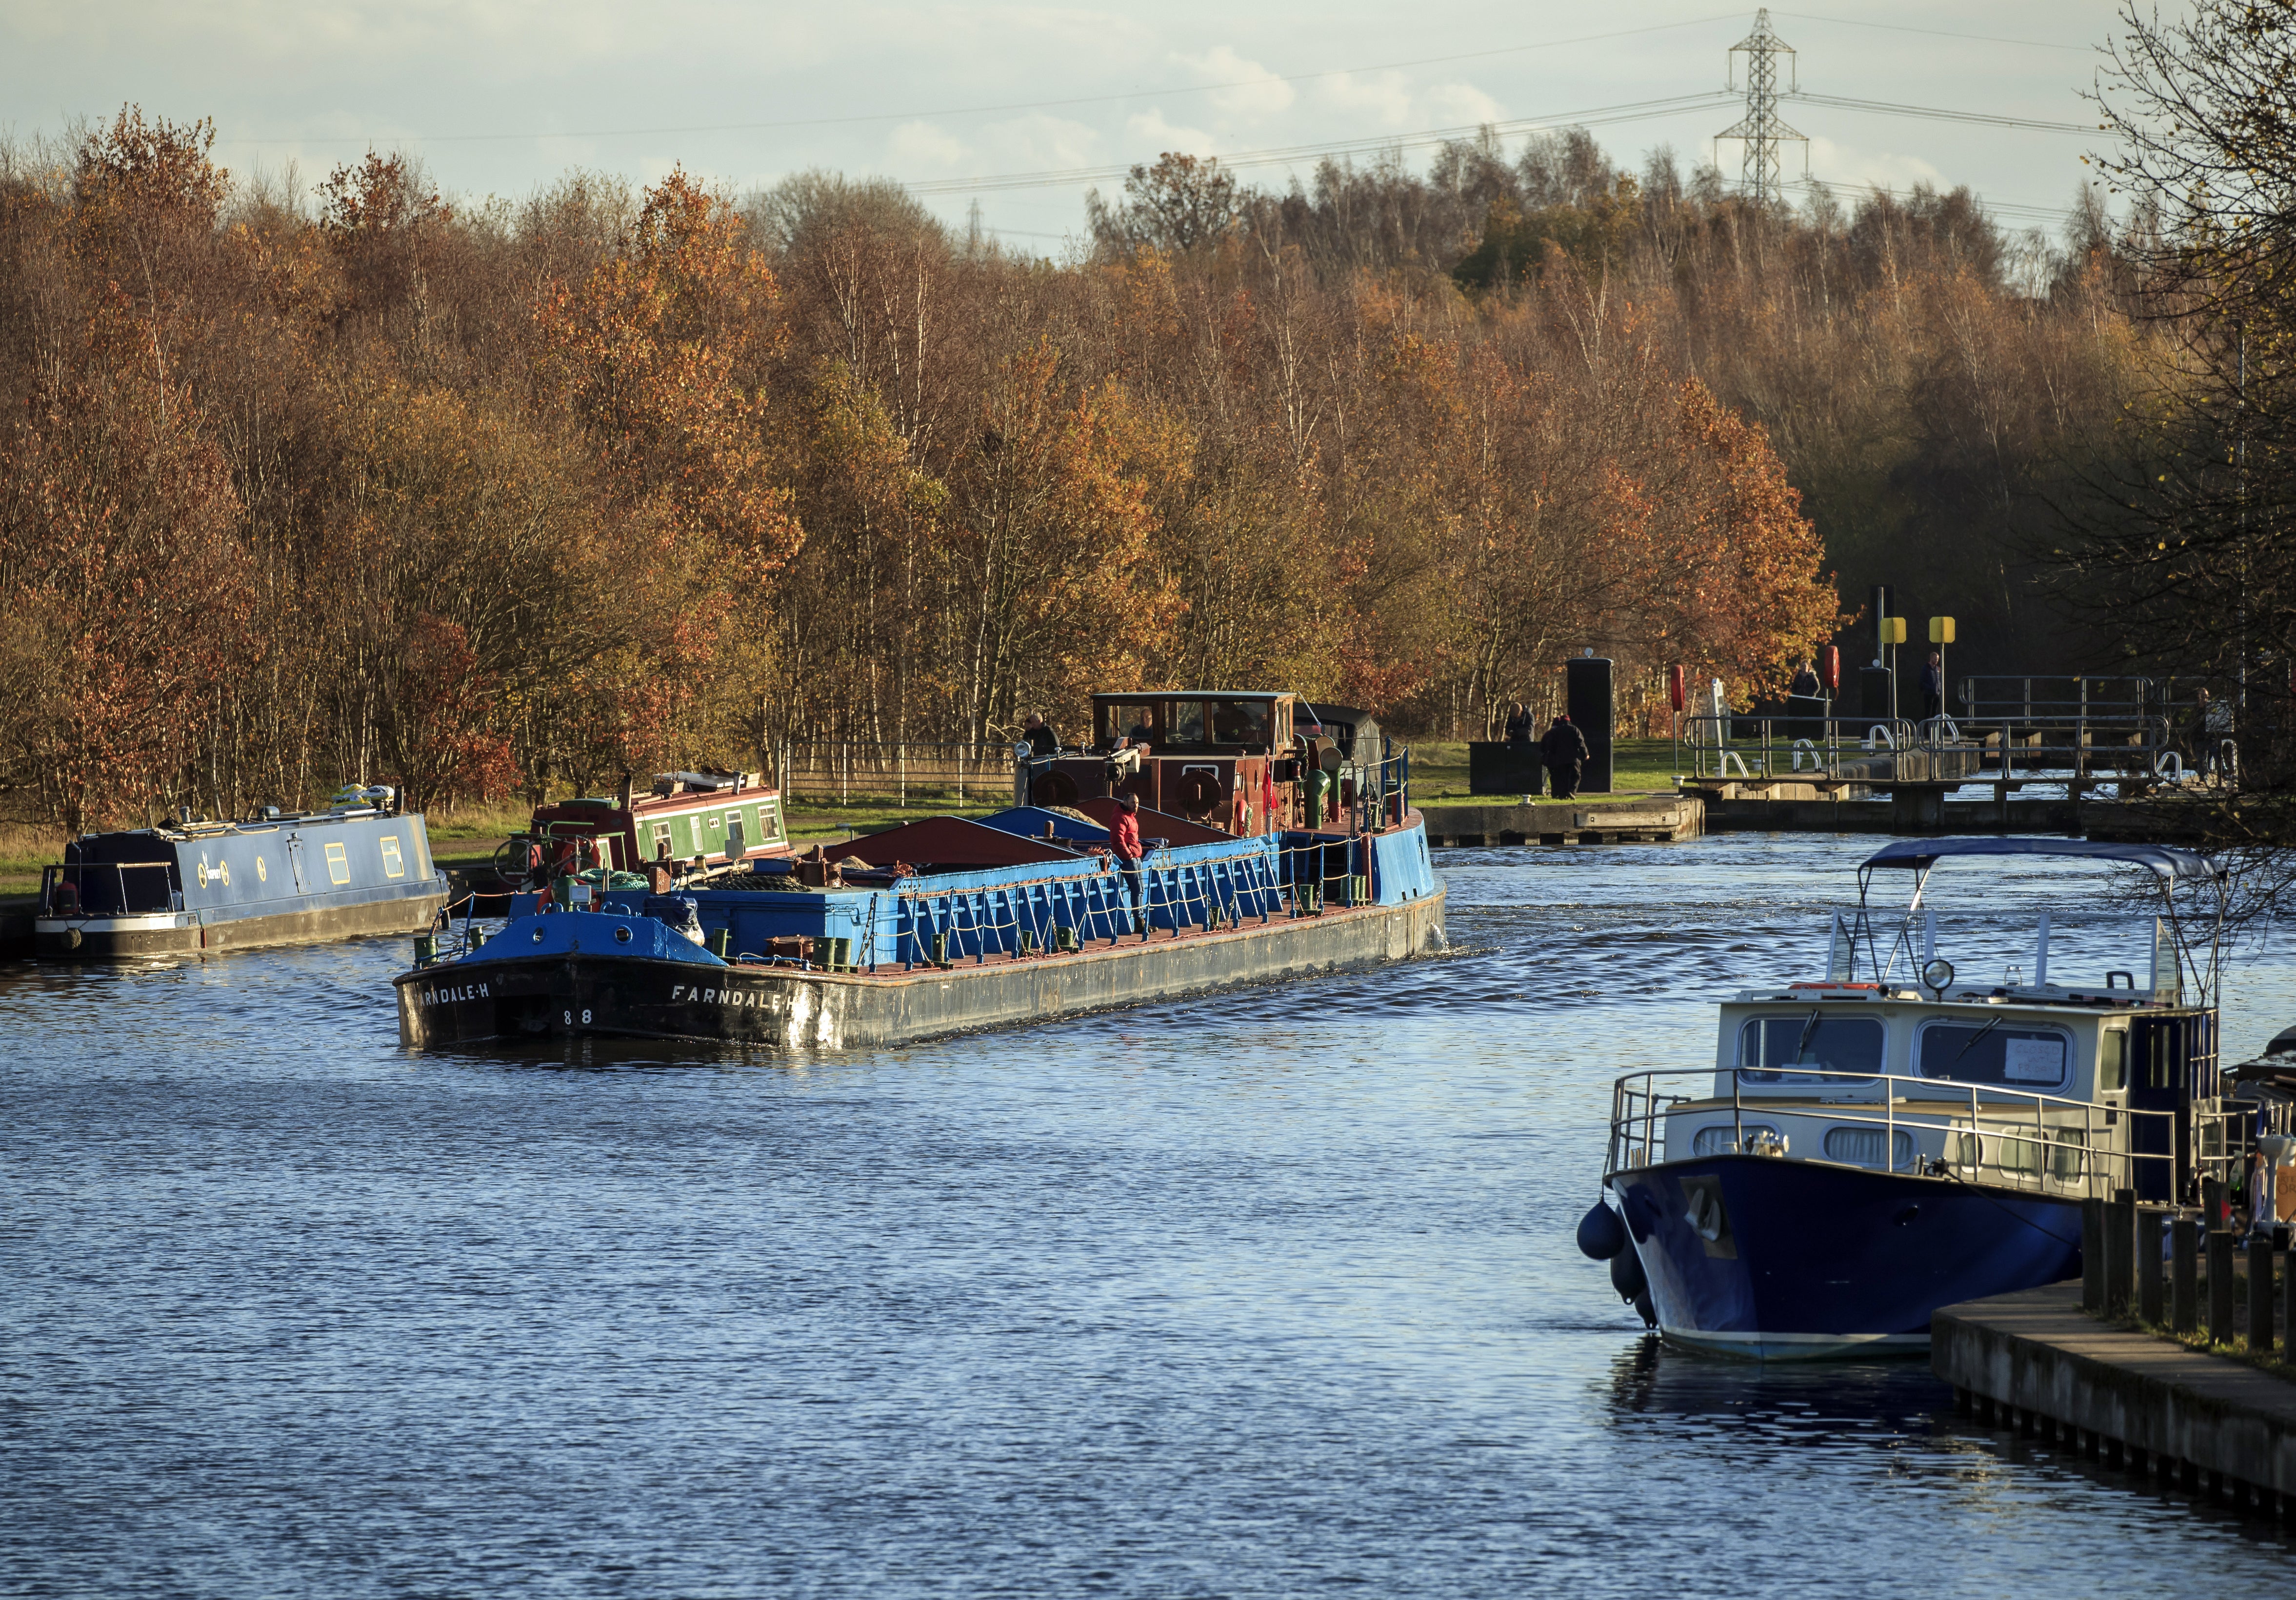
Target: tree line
[492, 497]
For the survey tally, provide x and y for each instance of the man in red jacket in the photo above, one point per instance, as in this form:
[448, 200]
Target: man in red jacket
[1124, 843]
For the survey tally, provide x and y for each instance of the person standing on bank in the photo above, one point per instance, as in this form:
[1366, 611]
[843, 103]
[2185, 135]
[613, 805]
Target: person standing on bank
[1041, 739]
[1564, 752]
[1933, 687]
[1520, 724]
[1805, 703]
[1124, 844]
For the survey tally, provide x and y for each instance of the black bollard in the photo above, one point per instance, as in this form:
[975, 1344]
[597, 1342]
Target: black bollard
[2148, 1264]
[2259, 1295]
[2093, 1256]
[2288, 1299]
[2184, 1274]
[2119, 1236]
[2221, 1330]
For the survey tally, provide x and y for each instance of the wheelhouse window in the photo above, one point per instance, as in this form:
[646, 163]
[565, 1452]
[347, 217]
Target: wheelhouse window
[1241, 722]
[2016, 1054]
[1188, 722]
[1771, 1047]
[1135, 720]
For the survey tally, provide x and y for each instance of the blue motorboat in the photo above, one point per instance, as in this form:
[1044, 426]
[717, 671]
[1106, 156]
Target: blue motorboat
[1892, 1138]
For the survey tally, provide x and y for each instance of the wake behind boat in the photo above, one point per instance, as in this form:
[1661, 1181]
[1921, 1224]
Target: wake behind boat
[1870, 1147]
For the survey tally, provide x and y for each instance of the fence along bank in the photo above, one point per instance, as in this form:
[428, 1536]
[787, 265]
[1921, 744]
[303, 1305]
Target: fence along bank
[948, 923]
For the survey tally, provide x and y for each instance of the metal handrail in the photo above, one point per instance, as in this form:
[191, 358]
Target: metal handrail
[1637, 1104]
[75, 874]
[1789, 737]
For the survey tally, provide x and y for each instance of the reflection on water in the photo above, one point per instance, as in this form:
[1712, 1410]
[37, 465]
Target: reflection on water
[1259, 1294]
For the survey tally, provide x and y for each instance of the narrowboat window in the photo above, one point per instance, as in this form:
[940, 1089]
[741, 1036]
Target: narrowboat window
[1188, 722]
[339, 864]
[1240, 722]
[394, 865]
[1772, 1045]
[660, 840]
[769, 819]
[736, 842]
[1996, 1052]
[1136, 721]
[2113, 1064]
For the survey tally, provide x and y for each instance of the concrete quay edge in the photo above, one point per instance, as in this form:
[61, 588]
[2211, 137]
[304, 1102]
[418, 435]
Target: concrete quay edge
[2203, 1420]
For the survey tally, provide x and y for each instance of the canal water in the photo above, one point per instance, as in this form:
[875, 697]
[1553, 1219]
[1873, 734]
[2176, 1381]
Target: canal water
[1267, 1295]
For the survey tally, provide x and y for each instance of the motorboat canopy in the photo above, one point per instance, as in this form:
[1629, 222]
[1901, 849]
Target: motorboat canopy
[2166, 861]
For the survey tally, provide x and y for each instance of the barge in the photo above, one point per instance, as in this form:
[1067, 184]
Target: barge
[1867, 1147]
[274, 878]
[950, 924]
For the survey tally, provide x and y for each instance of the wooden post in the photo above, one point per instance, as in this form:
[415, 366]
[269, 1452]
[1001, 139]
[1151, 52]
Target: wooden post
[2221, 1330]
[2093, 1255]
[2148, 1264]
[2259, 1295]
[2184, 1275]
[2119, 1236]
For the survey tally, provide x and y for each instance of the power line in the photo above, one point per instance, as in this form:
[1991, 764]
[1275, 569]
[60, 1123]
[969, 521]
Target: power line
[1934, 114]
[1594, 117]
[1941, 33]
[985, 111]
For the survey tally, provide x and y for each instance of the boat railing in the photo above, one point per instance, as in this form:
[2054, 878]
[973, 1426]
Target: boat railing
[2013, 1138]
[107, 889]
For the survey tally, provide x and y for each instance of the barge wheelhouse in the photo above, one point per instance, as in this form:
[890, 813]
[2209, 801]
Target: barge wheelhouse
[272, 878]
[1892, 1138]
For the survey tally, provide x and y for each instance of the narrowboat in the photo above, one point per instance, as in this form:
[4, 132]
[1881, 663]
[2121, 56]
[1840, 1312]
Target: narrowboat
[274, 878]
[1291, 865]
[1894, 1136]
[711, 817]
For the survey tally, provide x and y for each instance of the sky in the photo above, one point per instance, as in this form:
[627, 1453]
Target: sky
[1023, 108]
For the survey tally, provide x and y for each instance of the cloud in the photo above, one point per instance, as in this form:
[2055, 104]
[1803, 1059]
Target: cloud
[917, 149]
[1453, 105]
[1384, 98]
[1149, 130]
[1844, 166]
[1255, 92]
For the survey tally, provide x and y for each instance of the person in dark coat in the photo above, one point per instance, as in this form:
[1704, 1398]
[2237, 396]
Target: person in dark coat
[1933, 687]
[1520, 724]
[1805, 704]
[1564, 752]
[1041, 739]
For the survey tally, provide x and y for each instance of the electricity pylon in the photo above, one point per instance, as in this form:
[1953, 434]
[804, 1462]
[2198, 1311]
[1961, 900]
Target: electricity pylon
[1761, 127]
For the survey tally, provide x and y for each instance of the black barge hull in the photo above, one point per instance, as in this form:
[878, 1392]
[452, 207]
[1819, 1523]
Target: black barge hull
[572, 995]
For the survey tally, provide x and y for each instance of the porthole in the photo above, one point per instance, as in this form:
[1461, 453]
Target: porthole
[538, 935]
[621, 935]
